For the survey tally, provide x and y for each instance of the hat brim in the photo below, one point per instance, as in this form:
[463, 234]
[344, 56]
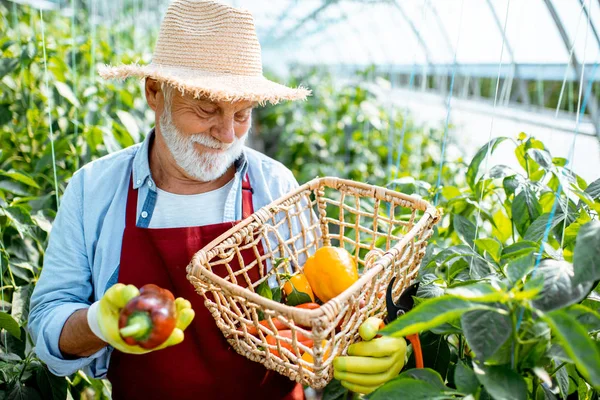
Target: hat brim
[215, 87]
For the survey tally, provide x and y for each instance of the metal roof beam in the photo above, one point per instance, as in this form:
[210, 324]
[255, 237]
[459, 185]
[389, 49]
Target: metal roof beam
[592, 102]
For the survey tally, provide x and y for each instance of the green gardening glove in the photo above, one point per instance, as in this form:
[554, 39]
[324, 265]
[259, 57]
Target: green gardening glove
[372, 362]
[103, 318]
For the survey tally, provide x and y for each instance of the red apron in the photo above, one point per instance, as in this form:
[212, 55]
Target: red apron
[203, 366]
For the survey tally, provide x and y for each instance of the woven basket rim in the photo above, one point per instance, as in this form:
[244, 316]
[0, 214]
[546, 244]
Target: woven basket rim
[330, 307]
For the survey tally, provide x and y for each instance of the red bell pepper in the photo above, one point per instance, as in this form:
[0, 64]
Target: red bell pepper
[148, 320]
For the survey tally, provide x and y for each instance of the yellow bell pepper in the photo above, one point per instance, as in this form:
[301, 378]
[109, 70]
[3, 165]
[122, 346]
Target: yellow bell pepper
[330, 271]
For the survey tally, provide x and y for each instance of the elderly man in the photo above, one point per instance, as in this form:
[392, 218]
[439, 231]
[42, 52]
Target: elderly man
[138, 215]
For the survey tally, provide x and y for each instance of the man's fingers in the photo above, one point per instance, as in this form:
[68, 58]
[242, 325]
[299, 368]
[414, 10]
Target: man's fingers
[353, 387]
[366, 365]
[120, 294]
[184, 318]
[175, 338]
[369, 379]
[381, 347]
[181, 304]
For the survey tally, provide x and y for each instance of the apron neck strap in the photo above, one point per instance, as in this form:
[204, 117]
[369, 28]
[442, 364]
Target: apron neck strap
[247, 191]
[131, 210]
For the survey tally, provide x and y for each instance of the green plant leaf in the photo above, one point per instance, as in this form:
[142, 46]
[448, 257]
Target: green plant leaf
[533, 351]
[264, 290]
[7, 322]
[502, 226]
[511, 184]
[587, 317]
[545, 393]
[450, 192]
[492, 246]
[594, 189]
[409, 389]
[542, 157]
[517, 250]
[518, 267]
[575, 340]
[296, 297]
[334, 391]
[21, 392]
[479, 291]
[20, 303]
[586, 257]
[20, 219]
[465, 229]
[558, 290]
[276, 293]
[501, 382]
[465, 379]
[52, 386]
[429, 314]
[436, 353]
[473, 171]
[500, 171]
[7, 65]
[20, 177]
[537, 229]
[130, 125]
[486, 331]
[562, 378]
[5, 114]
[525, 209]
[65, 91]
[425, 374]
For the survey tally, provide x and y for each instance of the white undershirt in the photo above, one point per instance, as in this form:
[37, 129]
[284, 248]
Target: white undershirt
[177, 210]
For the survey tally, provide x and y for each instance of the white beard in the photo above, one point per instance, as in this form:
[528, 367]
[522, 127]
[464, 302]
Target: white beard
[204, 167]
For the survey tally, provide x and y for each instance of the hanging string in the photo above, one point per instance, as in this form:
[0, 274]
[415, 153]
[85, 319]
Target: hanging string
[562, 89]
[489, 141]
[49, 94]
[411, 83]
[74, 66]
[577, 122]
[448, 109]
[581, 105]
[92, 11]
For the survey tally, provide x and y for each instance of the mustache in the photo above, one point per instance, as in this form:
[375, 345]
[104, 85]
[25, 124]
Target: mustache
[209, 141]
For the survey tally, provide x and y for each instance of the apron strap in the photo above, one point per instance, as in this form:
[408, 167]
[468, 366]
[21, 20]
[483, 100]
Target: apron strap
[131, 209]
[247, 191]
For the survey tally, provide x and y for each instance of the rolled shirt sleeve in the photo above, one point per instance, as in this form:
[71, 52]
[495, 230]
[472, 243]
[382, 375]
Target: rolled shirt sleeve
[64, 286]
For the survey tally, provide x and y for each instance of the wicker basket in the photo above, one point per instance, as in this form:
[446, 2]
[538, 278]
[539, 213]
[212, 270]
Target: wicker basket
[387, 233]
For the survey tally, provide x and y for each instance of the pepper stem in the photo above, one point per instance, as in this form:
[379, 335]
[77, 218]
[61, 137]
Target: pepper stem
[138, 325]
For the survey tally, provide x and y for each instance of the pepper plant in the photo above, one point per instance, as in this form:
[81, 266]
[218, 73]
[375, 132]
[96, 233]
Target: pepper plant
[87, 119]
[509, 310]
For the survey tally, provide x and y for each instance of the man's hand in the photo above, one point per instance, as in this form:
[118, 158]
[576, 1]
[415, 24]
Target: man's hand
[107, 319]
[370, 363]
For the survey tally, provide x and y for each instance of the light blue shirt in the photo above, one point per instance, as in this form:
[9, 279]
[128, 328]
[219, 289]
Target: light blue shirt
[83, 254]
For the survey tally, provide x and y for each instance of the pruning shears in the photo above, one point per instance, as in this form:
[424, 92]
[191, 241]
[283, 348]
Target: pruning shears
[404, 304]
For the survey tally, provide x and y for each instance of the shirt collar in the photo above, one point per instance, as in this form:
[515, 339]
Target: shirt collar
[141, 162]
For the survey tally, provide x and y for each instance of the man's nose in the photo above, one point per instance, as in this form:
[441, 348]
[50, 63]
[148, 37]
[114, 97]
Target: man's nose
[224, 130]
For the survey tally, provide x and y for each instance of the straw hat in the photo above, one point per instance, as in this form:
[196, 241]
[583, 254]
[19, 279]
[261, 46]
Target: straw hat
[211, 50]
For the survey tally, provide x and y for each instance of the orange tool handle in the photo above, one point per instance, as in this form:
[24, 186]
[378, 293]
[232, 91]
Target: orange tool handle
[416, 344]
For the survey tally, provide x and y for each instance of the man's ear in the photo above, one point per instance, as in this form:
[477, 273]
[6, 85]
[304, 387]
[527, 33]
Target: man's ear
[153, 96]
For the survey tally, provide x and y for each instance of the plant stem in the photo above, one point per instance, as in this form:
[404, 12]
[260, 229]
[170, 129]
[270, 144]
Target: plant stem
[557, 368]
[515, 355]
[137, 326]
[460, 347]
[534, 385]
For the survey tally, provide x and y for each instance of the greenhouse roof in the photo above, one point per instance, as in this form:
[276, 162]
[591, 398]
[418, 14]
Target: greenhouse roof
[403, 33]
